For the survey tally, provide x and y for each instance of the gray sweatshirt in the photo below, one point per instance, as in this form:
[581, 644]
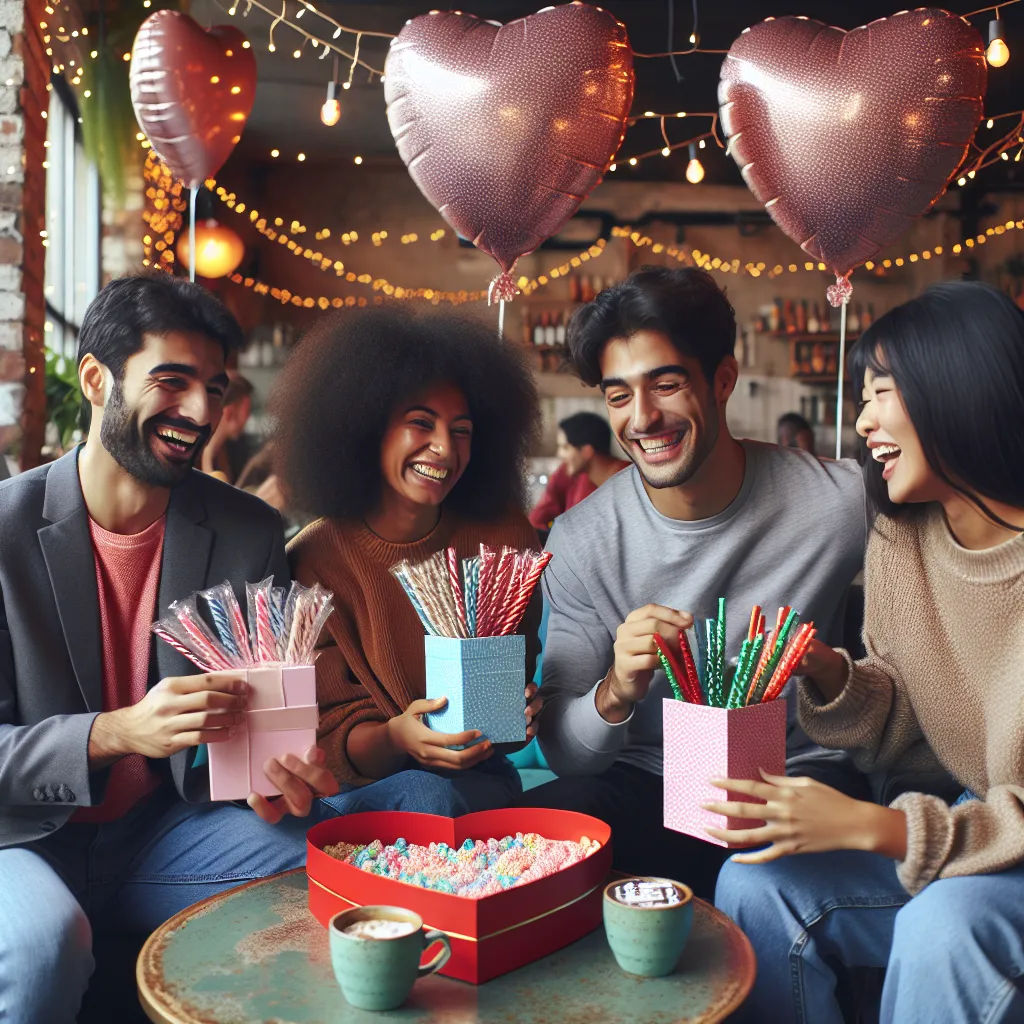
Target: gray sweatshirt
[795, 534]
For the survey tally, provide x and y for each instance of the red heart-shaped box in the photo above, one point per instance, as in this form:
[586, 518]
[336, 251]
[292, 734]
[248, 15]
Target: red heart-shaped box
[489, 936]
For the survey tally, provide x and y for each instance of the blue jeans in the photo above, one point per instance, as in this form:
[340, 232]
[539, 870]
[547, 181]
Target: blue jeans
[953, 953]
[130, 875]
[492, 784]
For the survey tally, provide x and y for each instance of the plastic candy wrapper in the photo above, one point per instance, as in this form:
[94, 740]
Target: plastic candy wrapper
[282, 626]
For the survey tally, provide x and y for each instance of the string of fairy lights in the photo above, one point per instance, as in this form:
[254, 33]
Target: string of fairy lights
[60, 30]
[527, 285]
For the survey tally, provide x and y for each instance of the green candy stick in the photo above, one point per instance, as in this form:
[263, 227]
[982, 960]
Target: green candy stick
[752, 660]
[720, 652]
[736, 691]
[672, 681]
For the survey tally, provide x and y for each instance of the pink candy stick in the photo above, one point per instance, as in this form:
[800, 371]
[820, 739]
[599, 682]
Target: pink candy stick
[517, 608]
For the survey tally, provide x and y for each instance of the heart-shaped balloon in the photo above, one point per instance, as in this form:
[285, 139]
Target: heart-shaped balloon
[847, 137]
[507, 128]
[192, 91]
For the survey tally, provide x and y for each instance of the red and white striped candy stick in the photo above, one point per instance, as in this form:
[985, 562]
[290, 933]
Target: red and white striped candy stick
[498, 598]
[201, 643]
[789, 661]
[488, 565]
[456, 581]
[517, 608]
[266, 641]
[182, 649]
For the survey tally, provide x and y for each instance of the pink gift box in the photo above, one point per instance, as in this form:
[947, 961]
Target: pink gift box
[281, 718]
[702, 743]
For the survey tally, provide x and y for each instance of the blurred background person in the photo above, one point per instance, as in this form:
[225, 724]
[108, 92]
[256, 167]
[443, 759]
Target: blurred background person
[584, 448]
[230, 448]
[795, 432]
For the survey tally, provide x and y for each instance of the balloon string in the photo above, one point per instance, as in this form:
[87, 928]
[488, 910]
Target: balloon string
[842, 368]
[501, 319]
[192, 232]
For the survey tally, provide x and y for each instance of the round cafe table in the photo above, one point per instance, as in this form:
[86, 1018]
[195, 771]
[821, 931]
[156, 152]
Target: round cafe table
[255, 955]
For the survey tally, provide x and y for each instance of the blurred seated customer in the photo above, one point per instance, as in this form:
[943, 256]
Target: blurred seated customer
[258, 477]
[230, 449]
[584, 446]
[795, 432]
[404, 435]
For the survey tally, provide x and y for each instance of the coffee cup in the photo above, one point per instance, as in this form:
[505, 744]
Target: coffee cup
[376, 953]
[647, 921]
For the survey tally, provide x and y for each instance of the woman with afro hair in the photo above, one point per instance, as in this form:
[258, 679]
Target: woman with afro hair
[403, 435]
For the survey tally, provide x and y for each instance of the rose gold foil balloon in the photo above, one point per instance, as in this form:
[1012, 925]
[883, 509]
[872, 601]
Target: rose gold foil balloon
[192, 91]
[507, 128]
[848, 137]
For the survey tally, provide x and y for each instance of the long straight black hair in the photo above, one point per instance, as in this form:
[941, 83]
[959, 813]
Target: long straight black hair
[956, 354]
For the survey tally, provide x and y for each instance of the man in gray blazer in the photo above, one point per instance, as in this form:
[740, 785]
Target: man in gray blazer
[104, 819]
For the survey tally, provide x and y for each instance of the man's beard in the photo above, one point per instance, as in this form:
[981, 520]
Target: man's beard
[126, 441]
[676, 475]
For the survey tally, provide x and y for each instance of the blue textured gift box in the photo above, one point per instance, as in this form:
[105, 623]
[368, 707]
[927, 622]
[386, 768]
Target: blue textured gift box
[484, 679]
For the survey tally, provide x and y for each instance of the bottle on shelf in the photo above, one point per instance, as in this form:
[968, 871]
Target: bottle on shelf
[788, 317]
[574, 288]
[538, 330]
[560, 329]
[801, 317]
[775, 316]
[814, 320]
[826, 318]
[868, 317]
[527, 335]
[549, 331]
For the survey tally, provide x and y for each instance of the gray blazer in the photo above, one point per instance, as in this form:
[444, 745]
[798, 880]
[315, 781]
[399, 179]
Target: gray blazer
[51, 647]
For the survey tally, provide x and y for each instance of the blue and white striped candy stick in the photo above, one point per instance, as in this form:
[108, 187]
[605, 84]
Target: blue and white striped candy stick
[278, 597]
[222, 624]
[471, 576]
[400, 575]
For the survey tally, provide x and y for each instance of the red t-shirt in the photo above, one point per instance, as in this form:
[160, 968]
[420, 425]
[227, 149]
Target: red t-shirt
[127, 580]
[562, 492]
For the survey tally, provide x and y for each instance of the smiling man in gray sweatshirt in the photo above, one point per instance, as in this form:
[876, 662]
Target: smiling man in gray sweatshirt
[700, 516]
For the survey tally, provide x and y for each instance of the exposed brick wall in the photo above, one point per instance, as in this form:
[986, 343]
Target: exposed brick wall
[24, 74]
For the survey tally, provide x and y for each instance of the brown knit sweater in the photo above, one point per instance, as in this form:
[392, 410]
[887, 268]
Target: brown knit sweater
[371, 666]
[944, 631]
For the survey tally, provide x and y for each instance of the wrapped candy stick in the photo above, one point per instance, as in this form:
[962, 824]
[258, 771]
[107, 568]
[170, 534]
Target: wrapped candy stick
[517, 609]
[196, 635]
[456, 584]
[669, 668]
[690, 665]
[796, 650]
[471, 574]
[169, 638]
[228, 621]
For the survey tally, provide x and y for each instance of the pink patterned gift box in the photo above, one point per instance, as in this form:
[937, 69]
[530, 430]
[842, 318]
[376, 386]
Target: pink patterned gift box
[702, 743]
[281, 718]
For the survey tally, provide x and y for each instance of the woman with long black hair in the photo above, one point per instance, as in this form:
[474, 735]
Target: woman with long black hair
[932, 892]
[403, 435]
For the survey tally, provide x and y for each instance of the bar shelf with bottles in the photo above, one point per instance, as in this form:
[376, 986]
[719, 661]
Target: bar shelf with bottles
[812, 330]
[546, 318]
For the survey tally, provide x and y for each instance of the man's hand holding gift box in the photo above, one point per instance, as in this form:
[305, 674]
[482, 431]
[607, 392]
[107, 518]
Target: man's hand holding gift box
[257, 697]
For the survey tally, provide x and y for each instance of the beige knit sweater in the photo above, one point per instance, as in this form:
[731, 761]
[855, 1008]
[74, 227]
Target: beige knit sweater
[944, 632]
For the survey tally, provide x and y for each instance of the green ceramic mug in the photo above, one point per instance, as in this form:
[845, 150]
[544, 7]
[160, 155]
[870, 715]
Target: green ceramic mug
[376, 952]
[647, 921]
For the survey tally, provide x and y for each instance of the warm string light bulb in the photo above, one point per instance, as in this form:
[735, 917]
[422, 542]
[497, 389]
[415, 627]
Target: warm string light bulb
[330, 112]
[694, 169]
[998, 53]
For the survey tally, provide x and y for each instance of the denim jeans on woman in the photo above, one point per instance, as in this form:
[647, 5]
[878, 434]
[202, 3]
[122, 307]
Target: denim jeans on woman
[954, 953]
[129, 875]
